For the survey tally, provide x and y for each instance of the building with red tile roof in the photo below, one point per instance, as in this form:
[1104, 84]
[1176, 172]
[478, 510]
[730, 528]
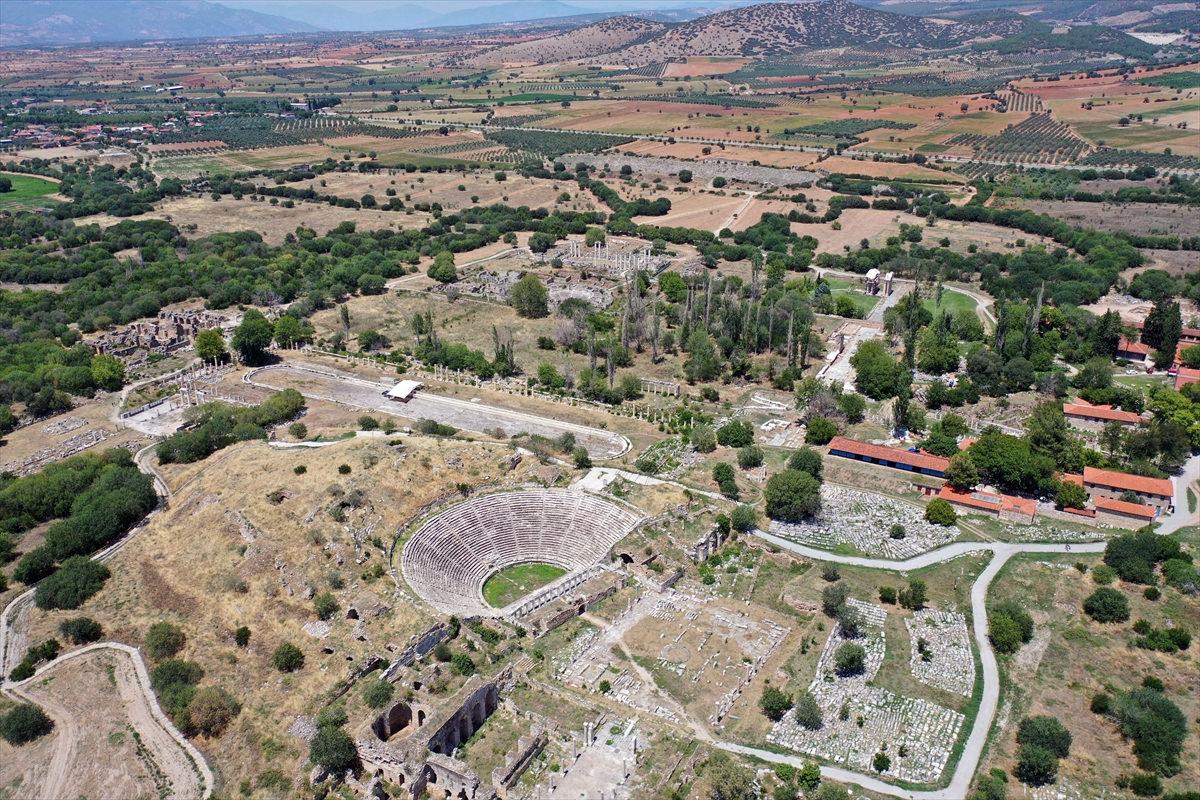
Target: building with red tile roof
[1157, 492]
[1123, 514]
[1094, 417]
[920, 463]
[1004, 506]
[1186, 375]
[1133, 351]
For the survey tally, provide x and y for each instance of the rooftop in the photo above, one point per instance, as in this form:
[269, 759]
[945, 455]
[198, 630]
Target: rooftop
[1185, 376]
[1122, 507]
[1127, 482]
[878, 451]
[1101, 412]
[989, 501]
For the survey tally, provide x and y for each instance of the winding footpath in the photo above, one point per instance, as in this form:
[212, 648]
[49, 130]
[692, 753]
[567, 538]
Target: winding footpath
[151, 719]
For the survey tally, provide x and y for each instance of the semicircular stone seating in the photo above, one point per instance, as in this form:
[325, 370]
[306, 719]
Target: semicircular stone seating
[450, 556]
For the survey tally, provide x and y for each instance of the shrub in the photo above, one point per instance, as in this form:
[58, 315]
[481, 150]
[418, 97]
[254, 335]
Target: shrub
[1019, 615]
[1145, 784]
[1101, 703]
[881, 762]
[820, 430]
[850, 659]
[76, 579]
[333, 750]
[887, 594]
[23, 723]
[378, 693]
[1152, 593]
[897, 531]
[750, 456]
[723, 475]
[344, 469]
[242, 636]
[462, 664]
[581, 458]
[1107, 605]
[175, 672]
[211, 710]
[1036, 766]
[1004, 633]
[1103, 575]
[287, 658]
[913, 597]
[1046, 732]
[774, 703]
[298, 430]
[325, 604]
[830, 572]
[81, 630]
[368, 423]
[940, 512]
[1157, 728]
[735, 433]
[164, 640]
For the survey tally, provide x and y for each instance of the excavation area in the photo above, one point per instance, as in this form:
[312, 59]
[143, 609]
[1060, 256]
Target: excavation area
[324, 383]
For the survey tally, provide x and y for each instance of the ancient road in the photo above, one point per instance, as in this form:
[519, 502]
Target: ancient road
[322, 383]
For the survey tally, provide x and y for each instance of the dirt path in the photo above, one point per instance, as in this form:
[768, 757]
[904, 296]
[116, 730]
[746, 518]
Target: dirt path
[172, 761]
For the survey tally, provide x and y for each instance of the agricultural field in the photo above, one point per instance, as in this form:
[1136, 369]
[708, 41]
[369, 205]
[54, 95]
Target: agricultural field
[26, 191]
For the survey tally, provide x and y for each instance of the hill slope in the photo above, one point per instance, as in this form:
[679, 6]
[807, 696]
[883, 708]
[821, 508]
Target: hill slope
[781, 28]
[586, 42]
[81, 21]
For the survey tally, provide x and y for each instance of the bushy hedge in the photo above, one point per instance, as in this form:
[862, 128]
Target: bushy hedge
[218, 425]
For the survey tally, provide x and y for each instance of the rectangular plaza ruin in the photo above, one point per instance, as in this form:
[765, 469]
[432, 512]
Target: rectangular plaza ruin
[875, 719]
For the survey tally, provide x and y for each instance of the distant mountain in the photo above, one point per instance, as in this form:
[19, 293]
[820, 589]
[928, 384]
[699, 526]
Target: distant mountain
[33, 22]
[585, 42]
[773, 29]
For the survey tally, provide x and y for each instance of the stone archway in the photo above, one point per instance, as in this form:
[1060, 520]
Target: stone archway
[393, 721]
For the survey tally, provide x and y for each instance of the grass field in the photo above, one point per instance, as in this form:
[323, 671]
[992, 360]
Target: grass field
[26, 191]
[953, 302]
[513, 583]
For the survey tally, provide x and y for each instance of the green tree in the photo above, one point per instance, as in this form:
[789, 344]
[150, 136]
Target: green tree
[442, 269]
[1070, 495]
[23, 723]
[1004, 633]
[877, 373]
[820, 430]
[529, 297]
[702, 363]
[1046, 732]
[290, 331]
[75, 580]
[333, 750]
[793, 496]
[774, 703]
[108, 372]
[854, 406]
[1036, 766]
[594, 236]
[253, 336]
[940, 512]
[808, 712]
[849, 659]
[743, 518]
[808, 460]
[210, 345]
[914, 597]
[735, 433]
[703, 438]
